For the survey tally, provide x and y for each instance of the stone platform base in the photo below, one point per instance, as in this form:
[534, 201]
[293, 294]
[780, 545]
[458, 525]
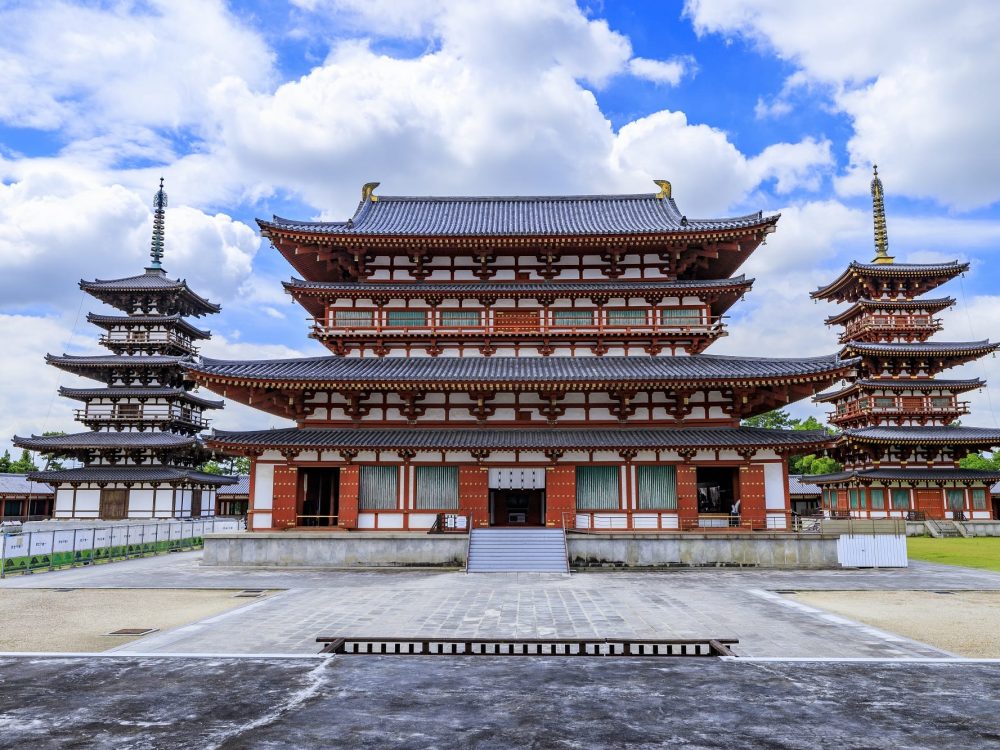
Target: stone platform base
[291, 549]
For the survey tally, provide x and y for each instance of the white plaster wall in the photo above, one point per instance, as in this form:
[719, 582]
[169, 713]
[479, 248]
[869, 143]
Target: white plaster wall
[774, 487]
[263, 488]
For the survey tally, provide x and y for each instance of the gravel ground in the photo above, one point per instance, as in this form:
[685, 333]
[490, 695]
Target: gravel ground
[77, 620]
[966, 623]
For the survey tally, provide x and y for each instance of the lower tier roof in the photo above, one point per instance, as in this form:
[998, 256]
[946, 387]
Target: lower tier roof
[926, 435]
[922, 475]
[104, 439]
[137, 474]
[518, 439]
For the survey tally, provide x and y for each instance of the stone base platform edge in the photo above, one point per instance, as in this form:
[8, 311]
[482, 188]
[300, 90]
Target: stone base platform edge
[586, 551]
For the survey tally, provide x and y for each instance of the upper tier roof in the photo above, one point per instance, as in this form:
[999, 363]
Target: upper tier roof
[534, 216]
[931, 305]
[153, 282]
[108, 322]
[861, 280]
[893, 349]
[903, 384]
[101, 366]
[99, 440]
[500, 370]
[86, 394]
[933, 435]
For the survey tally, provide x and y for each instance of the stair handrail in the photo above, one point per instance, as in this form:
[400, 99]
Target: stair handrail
[468, 544]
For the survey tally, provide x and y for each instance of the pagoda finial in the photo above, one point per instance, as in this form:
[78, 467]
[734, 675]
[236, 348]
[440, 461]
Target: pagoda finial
[881, 235]
[159, 216]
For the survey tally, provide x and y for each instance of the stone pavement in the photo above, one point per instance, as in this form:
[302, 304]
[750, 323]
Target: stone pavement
[689, 603]
[360, 702]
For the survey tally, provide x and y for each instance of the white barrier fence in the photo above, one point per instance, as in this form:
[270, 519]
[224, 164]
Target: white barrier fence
[36, 550]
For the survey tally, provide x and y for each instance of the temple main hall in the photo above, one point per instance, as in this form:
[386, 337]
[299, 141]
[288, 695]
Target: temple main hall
[520, 362]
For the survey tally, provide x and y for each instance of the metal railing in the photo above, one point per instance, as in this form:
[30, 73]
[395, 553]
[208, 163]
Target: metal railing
[451, 523]
[722, 523]
[50, 549]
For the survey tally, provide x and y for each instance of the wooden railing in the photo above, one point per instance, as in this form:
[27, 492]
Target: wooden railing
[712, 326]
[854, 410]
[153, 339]
[893, 322]
[89, 415]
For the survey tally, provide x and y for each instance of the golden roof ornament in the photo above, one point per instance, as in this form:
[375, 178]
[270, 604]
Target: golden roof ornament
[881, 235]
[368, 192]
[665, 189]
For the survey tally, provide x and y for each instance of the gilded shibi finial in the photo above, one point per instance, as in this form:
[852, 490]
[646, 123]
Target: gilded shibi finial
[159, 216]
[881, 235]
[665, 189]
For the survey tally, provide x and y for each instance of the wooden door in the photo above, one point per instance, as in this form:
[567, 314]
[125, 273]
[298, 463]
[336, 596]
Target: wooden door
[114, 504]
[195, 503]
[516, 320]
[931, 502]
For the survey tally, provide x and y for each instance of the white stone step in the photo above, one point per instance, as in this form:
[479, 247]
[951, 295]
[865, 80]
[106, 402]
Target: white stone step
[517, 550]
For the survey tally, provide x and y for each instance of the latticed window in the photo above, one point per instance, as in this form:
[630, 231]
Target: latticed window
[460, 318]
[979, 499]
[128, 411]
[572, 317]
[437, 487]
[956, 499]
[885, 402]
[351, 318]
[657, 487]
[853, 497]
[876, 497]
[406, 318]
[597, 488]
[941, 402]
[900, 499]
[680, 316]
[378, 487]
[626, 316]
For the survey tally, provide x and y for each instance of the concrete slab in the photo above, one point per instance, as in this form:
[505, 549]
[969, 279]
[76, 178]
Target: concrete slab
[484, 702]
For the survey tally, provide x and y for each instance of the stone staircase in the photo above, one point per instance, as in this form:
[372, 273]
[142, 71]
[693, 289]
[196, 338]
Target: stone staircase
[517, 550]
[944, 529]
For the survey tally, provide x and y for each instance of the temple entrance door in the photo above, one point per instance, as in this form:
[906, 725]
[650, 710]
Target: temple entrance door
[517, 507]
[515, 320]
[114, 504]
[318, 497]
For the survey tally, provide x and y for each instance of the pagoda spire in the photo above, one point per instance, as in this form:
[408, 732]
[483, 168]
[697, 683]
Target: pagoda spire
[881, 235]
[159, 217]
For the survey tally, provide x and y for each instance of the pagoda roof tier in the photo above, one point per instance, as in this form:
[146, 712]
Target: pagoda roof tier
[133, 474]
[504, 373]
[313, 294]
[104, 440]
[173, 294]
[517, 439]
[873, 280]
[931, 305]
[903, 384]
[517, 216]
[959, 435]
[103, 367]
[87, 394]
[108, 322]
[939, 354]
[867, 476]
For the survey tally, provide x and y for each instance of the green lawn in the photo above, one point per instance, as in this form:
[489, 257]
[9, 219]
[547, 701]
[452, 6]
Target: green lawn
[977, 552]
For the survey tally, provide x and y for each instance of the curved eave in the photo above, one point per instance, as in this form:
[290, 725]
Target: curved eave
[986, 438]
[925, 349]
[107, 322]
[87, 394]
[133, 475]
[110, 292]
[922, 384]
[940, 272]
[931, 305]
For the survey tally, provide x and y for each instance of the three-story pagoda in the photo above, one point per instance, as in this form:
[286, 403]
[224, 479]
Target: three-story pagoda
[901, 440]
[141, 456]
[526, 360]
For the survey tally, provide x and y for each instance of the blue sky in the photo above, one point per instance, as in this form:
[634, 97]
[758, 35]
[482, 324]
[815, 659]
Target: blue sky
[254, 108]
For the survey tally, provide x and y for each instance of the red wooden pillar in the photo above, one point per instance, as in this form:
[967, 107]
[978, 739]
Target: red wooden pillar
[347, 500]
[474, 493]
[560, 493]
[687, 496]
[752, 503]
[285, 498]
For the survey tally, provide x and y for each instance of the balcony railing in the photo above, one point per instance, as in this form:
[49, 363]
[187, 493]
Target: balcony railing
[888, 323]
[541, 327]
[153, 339]
[146, 416]
[899, 409]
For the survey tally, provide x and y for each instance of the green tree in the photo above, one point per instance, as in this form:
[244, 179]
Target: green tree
[227, 465]
[979, 462]
[5, 463]
[779, 419]
[813, 464]
[24, 464]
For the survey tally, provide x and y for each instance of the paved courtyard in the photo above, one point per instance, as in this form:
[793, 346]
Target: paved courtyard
[745, 604]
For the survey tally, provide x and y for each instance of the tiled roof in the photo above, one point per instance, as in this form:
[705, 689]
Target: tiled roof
[150, 281]
[919, 384]
[521, 369]
[930, 347]
[795, 486]
[472, 288]
[915, 474]
[937, 435]
[21, 485]
[132, 474]
[84, 394]
[241, 487]
[519, 216]
[115, 360]
[526, 439]
[933, 305]
[939, 271]
[83, 440]
[110, 321]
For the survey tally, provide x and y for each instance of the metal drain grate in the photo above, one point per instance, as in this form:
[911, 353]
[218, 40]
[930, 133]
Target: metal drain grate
[132, 631]
[527, 646]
